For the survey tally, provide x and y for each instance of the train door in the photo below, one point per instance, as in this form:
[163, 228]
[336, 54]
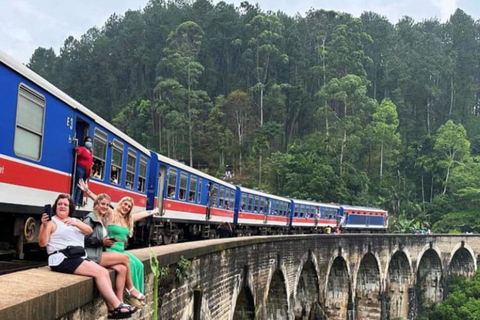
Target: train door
[161, 187]
[81, 131]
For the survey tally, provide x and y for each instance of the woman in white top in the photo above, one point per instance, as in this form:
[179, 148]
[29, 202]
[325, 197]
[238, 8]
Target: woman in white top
[64, 238]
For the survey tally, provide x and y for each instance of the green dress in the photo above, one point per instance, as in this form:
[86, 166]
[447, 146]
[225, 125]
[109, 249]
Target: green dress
[120, 234]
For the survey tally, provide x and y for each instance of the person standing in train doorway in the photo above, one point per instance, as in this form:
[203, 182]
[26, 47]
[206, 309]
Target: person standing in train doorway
[83, 168]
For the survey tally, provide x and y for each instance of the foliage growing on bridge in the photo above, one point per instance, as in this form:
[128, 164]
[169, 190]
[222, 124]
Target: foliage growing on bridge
[462, 303]
[324, 106]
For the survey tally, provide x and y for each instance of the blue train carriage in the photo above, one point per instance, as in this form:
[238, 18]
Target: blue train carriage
[40, 128]
[313, 215]
[191, 203]
[258, 212]
[363, 219]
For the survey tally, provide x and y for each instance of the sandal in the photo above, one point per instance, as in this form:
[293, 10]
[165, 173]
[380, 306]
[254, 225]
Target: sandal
[134, 302]
[118, 312]
[139, 296]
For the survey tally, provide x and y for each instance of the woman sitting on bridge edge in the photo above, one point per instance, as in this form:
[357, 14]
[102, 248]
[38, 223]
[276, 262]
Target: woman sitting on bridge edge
[120, 222]
[100, 240]
[64, 238]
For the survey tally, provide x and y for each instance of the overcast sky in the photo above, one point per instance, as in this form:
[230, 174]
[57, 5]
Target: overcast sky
[28, 24]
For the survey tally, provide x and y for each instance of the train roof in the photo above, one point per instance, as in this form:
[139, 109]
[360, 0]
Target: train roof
[193, 170]
[263, 194]
[363, 208]
[44, 84]
[318, 204]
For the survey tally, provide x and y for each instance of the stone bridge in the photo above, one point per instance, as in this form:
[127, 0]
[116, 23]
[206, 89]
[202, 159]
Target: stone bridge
[348, 277]
[320, 277]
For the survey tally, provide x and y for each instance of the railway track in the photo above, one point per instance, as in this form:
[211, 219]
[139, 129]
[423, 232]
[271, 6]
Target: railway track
[11, 266]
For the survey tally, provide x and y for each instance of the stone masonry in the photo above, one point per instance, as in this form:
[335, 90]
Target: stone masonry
[352, 276]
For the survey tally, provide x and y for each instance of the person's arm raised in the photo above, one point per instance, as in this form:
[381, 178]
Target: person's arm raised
[84, 187]
[144, 214]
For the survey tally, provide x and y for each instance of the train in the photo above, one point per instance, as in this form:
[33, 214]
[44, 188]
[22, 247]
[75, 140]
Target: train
[41, 129]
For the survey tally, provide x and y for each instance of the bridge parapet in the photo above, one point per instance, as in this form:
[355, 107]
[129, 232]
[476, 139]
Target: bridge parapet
[277, 277]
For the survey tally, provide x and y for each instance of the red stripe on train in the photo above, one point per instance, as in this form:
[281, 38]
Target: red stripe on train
[24, 175]
[260, 217]
[33, 177]
[195, 208]
[117, 194]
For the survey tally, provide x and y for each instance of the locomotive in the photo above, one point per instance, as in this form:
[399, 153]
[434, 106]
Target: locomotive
[40, 130]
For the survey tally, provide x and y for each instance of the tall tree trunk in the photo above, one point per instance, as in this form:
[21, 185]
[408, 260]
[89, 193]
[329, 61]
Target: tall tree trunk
[431, 190]
[428, 115]
[423, 194]
[190, 123]
[260, 169]
[261, 107]
[381, 160]
[446, 179]
[342, 149]
[452, 92]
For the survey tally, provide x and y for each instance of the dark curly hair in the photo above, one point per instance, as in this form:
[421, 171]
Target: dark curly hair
[71, 204]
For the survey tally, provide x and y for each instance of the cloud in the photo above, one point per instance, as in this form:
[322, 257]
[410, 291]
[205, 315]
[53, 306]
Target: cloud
[446, 7]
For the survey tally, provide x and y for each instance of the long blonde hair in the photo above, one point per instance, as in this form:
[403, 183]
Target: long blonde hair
[117, 216]
[99, 198]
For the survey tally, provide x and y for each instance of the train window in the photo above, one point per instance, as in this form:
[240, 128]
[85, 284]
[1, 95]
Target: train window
[244, 202]
[30, 123]
[214, 195]
[221, 197]
[116, 166]
[183, 186]
[99, 154]
[131, 165]
[172, 182]
[227, 198]
[199, 190]
[232, 199]
[296, 211]
[142, 174]
[263, 207]
[191, 190]
[255, 203]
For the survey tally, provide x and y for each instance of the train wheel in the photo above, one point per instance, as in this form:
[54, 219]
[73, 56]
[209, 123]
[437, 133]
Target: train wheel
[167, 239]
[175, 238]
[30, 229]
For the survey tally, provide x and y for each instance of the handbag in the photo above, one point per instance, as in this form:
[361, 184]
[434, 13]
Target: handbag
[74, 251]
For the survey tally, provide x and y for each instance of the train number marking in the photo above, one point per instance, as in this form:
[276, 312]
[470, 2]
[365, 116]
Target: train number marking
[70, 122]
[2, 170]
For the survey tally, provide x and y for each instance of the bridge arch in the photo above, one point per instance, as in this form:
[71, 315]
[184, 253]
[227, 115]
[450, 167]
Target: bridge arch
[277, 304]
[368, 288]
[337, 289]
[429, 276]
[243, 302]
[398, 281]
[462, 261]
[306, 293]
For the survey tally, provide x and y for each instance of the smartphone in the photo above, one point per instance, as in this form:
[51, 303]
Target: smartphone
[112, 238]
[48, 209]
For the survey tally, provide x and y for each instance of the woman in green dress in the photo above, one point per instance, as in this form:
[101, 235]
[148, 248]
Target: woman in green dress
[120, 226]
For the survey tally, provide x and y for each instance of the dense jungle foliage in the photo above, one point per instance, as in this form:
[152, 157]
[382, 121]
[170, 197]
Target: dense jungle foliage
[462, 302]
[323, 105]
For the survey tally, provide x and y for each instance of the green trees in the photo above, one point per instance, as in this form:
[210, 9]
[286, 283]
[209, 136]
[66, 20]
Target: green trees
[453, 146]
[324, 106]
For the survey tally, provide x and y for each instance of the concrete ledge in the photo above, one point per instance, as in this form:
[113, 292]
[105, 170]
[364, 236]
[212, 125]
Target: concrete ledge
[43, 294]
